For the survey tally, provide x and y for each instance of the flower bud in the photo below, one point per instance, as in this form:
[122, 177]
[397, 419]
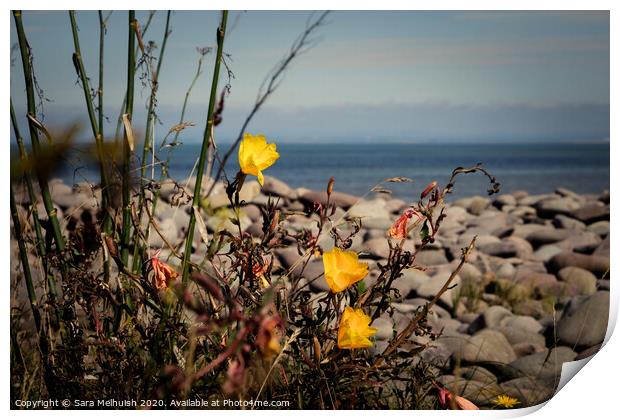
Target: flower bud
[430, 187]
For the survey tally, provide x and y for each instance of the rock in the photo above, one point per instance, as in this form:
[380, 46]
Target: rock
[596, 264]
[377, 248]
[529, 307]
[523, 248]
[476, 373]
[384, 326]
[168, 230]
[546, 252]
[505, 271]
[535, 281]
[584, 242]
[565, 192]
[395, 205]
[436, 354]
[377, 223]
[276, 187]
[600, 228]
[314, 274]
[253, 212]
[564, 222]
[584, 320]
[431, 287]
[548, 236]
[340, 199]
[602, 284]
[478, 204]
[591, 213]
[431, 257]
[582, 281]
[248, 192]
[499, 249]
[404, 286]
[370, 209]
[603, 249]
[518, 335]
[76, 201]
[488, 345]
[544, 365]
[415, 303]
[222, 222]
[490, 318]
[504, 200]
[525, 323]
[523, 231]
[523, 212]
[470, 273]
[528, 391]
[525, 348]
[590, 351]
[552, 207]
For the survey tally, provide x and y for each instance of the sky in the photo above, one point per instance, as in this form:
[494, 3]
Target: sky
[404, 76]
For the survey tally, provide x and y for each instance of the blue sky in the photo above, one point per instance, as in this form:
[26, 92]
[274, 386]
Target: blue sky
[406, 76]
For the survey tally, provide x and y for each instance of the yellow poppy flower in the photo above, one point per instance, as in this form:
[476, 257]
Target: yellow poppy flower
[255, 155]
[354, 330]
[342, 269]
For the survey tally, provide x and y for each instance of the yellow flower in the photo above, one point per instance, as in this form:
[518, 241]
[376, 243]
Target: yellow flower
[354, 330]
[342, 269]
[255, 155]
[505, 401]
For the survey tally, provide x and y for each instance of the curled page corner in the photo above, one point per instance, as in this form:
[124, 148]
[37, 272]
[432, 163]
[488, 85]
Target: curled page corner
[570, 369]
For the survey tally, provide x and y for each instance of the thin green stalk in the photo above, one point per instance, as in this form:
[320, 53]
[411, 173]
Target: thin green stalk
[23, 255]
[35, 214]
[34, 135]
[206, 141]
[77, 60]
[23, 155]
[149, 142]
[131, 70]
[107, 221]
[126, 170]
[119, 120]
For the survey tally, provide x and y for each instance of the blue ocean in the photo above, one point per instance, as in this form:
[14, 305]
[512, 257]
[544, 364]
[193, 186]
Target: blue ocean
[357, 168]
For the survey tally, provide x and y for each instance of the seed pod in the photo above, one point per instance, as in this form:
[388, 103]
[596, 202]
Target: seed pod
[330, 185]
[317, 349]
[428, 189]
[109, 243]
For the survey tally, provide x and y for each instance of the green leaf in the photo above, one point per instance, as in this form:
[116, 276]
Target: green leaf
[424, 231]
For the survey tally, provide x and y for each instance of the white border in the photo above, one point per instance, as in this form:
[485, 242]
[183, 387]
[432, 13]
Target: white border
[593, 393]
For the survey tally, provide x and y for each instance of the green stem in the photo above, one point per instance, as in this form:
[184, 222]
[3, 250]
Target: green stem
[149, 142]
[126, 170]
[77, 57]
[221, 32]
[131, 70]
[107, 221]
[35, 214]
[23, 254]
[119, 120]
[34, 135]
[23, 155]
